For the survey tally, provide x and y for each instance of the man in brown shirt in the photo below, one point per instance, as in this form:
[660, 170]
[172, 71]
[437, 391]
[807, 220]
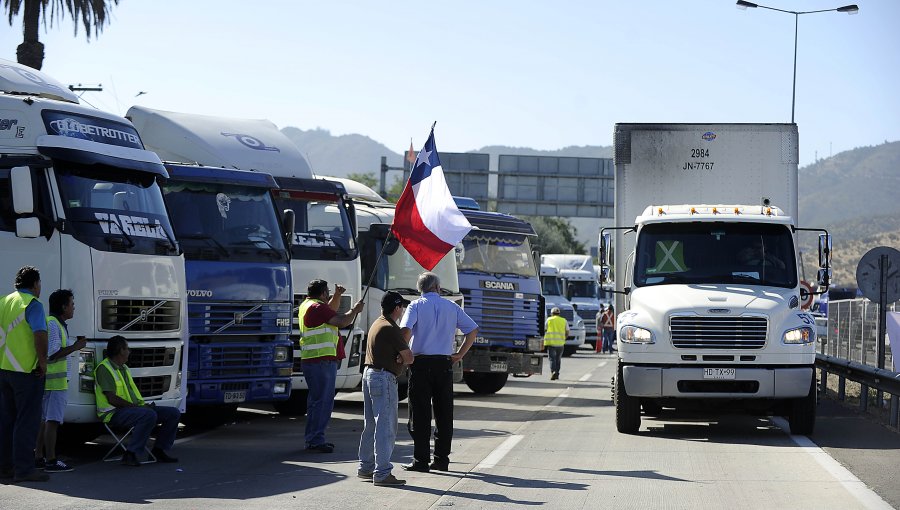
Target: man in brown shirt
[386, 355]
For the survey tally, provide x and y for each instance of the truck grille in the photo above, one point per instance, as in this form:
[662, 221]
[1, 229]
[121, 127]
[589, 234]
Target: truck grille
[154, 386]
[147, 357]
[235, 360]
[139, 315]
[502, 317]
[238, 318]
[695, 332]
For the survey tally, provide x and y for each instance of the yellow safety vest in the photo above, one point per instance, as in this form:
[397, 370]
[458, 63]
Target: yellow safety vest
[57, 376]
[104, 408]
[556, 332]
[17, 352]
[319, 341]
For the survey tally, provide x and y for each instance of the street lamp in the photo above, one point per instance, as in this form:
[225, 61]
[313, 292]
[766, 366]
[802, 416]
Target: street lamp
[849, 9]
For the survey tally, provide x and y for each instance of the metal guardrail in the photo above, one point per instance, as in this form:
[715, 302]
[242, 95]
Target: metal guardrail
[884, 381]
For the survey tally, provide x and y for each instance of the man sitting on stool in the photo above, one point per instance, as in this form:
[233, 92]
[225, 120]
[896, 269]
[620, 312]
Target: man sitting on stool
[119, 403]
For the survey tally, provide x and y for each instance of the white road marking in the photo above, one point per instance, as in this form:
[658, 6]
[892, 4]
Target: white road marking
[602, 364]
[866, 496]
[585, 377]
[497, 455]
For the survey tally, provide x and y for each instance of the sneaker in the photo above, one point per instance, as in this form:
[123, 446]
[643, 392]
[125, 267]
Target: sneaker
[365, 475]
[40, 463]
[420, 467]
[389, 480]
[440, 465]
[130, 459]
[57, 466]
[162, 456]
[321, 448]
[34, 476]
[554, 376]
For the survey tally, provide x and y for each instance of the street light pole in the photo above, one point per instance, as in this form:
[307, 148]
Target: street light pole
[849, 9]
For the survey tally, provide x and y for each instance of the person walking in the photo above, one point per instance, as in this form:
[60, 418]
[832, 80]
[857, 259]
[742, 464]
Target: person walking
[608, 322]
[120, 404]
[387, 355]
[59, 348]
[555, 334]
[319, 330]
[429, 326]
[23, 363]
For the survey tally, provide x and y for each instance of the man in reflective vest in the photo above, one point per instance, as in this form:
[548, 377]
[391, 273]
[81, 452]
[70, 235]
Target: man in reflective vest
[120, 404]
[319, 325]
[556, 332]
[62, 308]
[23, 363]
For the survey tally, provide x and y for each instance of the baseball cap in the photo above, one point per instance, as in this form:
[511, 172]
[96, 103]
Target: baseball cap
[554, 311]
[392, 299]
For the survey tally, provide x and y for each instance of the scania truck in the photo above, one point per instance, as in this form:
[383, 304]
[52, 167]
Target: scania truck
[238, 288]
[709, 290]
[80, 199]
[324, 241]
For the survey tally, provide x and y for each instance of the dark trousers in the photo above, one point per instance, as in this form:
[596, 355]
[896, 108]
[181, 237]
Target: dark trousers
[21, 395]
[431, 384]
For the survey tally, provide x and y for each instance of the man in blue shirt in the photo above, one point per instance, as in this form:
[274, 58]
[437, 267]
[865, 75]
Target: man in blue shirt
[429, 326]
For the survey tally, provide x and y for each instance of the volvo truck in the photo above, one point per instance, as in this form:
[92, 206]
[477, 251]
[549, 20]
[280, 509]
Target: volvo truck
[323, 244]
[707, 272]
[81, 200]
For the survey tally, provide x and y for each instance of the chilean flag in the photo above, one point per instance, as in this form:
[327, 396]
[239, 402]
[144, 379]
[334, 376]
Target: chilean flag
[427, 221]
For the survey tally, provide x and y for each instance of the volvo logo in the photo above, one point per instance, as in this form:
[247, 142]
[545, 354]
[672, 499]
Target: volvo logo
[143, 315]
[719, 310]
[238, 318]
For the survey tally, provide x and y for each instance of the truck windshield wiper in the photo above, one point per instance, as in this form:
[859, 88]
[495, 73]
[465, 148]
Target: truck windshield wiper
[128, 238]
[204, 237]
[405, 290]
[166, 232]
[447, 292]
[269, 247]
[474, 270]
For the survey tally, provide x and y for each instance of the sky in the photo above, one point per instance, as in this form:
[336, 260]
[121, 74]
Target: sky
[521, 73]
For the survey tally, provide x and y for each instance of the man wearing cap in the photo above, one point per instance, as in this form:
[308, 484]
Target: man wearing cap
[555, 334]
[430, 325]
[387, 355]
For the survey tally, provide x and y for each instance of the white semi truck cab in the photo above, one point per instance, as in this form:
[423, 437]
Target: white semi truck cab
[709, 303]
[552, 290]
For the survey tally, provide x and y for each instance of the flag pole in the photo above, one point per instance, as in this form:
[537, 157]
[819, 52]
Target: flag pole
[371, 277]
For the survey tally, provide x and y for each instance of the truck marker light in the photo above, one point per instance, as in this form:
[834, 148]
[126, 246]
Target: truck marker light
[737, 210]
[661, 212]
[715, 210]
[768, 211]
[693, 210]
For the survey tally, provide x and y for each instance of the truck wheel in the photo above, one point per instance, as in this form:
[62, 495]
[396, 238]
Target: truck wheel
[295, 405]
[485, 383]
[651, 407]
[802, 416]
[569, 350]
[208, 417]
[628, 409]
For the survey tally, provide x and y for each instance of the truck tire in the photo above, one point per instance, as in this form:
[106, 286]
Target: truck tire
[628, 409]
[802, 415]
[295, 405]
[651, 407]
[569, 350]
[485, 383]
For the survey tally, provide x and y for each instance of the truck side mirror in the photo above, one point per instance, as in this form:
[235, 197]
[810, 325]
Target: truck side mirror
[824, 251]
[288, 222]
[823, 278]
[604, 274]
[603, 249]
[29, 228]
[22, 190]
[382, 231]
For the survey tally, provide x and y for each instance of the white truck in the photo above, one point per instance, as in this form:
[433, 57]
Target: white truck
[80, 200]
[709, 304]
[581, 288]
[324, 242]
[552, 290]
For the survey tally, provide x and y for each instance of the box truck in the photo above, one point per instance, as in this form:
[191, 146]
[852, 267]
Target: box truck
[707, 272]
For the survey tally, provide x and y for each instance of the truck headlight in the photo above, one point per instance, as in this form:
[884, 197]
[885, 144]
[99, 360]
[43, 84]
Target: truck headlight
[281, 354]
[635, 335]
[535, 344]
[804, 335]
[579, 323]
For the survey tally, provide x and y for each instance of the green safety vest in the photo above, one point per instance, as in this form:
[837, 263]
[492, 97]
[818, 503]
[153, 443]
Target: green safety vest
[556, 332]
[319, 341]
[17, 351]
[57, 378]
[104, 408]
[669, 257]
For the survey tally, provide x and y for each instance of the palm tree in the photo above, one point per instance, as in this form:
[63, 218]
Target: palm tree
[93, 14]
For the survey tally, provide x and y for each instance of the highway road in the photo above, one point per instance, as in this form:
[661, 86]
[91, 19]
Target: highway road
[537, 443]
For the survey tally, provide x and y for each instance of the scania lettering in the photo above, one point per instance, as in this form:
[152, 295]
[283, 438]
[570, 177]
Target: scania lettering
[324, 240]
[80, 200]
[710, 293]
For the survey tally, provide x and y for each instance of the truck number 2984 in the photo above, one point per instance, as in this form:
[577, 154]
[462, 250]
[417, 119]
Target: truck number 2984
[699, 153]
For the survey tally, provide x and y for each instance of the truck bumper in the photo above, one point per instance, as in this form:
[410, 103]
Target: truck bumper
[517, 363]
[689, 382]
[213, 392]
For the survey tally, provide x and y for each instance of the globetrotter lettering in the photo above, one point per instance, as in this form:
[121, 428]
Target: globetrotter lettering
[499, 285]
[74, 129]
[135, 226]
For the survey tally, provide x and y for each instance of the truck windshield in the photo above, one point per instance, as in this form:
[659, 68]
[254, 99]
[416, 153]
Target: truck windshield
[115, 209]
[404, 271]
[550, 286]
[715, 253]
[322, 230]
[583, 289]
[497, 253]
[224, 221]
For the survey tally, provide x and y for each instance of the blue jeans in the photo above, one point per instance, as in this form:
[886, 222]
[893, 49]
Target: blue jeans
[21, 396]
[320, 379]
[143, 419]
[380, 422]
[608, 335]
[555, 352]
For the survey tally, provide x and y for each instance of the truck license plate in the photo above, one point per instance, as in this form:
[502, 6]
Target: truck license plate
[718, 373]
[498, 366]
[235, 396]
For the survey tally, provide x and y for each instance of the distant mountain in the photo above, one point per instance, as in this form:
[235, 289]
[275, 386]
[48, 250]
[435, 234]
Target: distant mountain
[341, 155]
